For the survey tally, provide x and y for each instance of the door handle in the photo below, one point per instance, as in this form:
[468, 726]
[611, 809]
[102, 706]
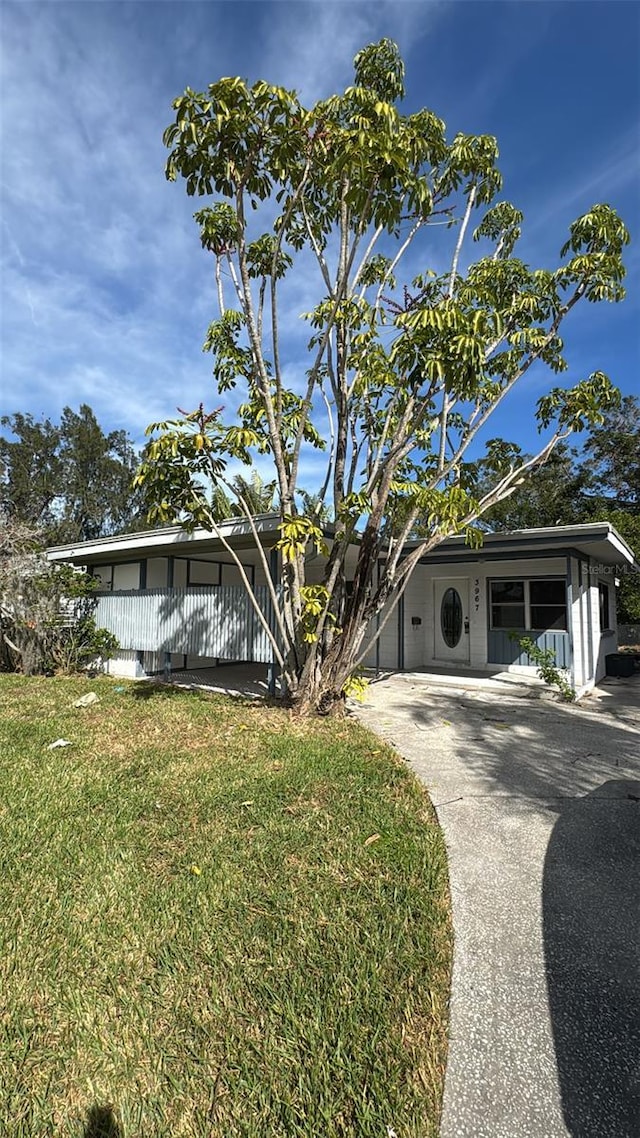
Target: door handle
[466, 625]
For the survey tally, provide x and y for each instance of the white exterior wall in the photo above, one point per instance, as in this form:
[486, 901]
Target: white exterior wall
[126, 665]
[157, 573]
[385, 651]
[591, 643]
[204, 573]
[104, 576]
[420, 640]
[415, 608]
[388, 651]
[605, 639]
[126, 576]
[578, 625]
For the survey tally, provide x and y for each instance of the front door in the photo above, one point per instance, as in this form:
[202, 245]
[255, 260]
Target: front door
[451, 618]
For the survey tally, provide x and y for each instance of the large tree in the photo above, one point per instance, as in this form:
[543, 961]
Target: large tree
[401, 371]
[70, 480]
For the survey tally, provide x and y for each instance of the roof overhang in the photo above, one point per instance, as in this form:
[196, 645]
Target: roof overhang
[597, 543]
[171, 541]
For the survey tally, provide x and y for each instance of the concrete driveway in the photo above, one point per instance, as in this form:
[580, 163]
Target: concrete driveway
[540, 807]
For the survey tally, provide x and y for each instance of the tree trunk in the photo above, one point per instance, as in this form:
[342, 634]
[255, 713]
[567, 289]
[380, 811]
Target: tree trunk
[318, 689]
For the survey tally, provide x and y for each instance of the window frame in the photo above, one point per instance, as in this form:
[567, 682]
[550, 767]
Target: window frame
[526, 603]
[604, 594]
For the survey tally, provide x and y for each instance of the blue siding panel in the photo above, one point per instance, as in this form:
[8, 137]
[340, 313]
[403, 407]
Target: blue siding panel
[504, 650]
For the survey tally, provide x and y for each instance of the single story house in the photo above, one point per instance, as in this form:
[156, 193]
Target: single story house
[175, 599]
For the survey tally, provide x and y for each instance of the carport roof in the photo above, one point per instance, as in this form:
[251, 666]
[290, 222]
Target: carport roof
[173, 540]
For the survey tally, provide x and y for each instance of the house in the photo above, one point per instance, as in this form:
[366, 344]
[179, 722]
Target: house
[176, 599]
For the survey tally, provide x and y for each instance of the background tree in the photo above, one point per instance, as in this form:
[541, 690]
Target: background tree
[70, 480]
[401, 377]
[613, 453]
[30, 473]
[258, 495]
[599, 483]
[553, 495]
[97, 471]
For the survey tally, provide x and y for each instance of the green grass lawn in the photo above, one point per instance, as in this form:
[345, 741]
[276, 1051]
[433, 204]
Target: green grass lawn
[214, 920]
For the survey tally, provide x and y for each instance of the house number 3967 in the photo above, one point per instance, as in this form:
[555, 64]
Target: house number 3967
[476, 594]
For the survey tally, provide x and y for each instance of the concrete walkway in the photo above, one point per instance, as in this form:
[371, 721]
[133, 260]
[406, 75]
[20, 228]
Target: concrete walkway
[540, 807]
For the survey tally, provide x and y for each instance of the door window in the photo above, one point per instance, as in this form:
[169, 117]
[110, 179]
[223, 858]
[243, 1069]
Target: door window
[451, 617]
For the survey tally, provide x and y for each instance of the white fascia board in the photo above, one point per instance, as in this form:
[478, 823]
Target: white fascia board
[620, 546]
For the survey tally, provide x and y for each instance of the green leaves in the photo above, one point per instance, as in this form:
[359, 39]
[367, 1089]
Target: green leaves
[580, 406]
[444, 511]
[235, 136]
[472, 159]
[380, 69]
[296, 532]
[180, 465]
[219, 228]
[597, 240]
[265, 259]
[502, 224]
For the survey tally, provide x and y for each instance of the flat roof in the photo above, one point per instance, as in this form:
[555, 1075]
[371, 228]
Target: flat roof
[595, 539]
[598, 540]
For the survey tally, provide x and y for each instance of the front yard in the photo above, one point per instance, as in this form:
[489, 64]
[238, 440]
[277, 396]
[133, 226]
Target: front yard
[214, 921]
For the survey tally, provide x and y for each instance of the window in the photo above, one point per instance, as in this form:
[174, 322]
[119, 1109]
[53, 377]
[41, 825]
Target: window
[538, 605]
[603, 597]
[451, 617]
[548, 601]
[507, 604]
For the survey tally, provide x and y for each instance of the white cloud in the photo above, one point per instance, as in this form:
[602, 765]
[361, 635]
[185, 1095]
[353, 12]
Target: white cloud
[313, 52]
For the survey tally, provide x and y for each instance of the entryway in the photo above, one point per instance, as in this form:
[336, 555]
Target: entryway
[451, 620]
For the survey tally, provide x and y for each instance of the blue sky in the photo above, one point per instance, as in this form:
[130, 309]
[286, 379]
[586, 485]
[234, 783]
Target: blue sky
[106, 293]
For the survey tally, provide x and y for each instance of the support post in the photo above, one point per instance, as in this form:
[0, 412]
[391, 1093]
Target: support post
[142, 584]
[377, 630]
[591, 651]
[167, 655]
[572, 670]
[272, 668]
[401, 634]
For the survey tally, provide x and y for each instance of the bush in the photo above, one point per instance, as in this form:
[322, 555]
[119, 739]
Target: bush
[46, 611]
[545, 659]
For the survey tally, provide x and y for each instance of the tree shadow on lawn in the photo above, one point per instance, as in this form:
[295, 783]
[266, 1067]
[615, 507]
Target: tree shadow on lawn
[576, 770]
[101, 1123]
